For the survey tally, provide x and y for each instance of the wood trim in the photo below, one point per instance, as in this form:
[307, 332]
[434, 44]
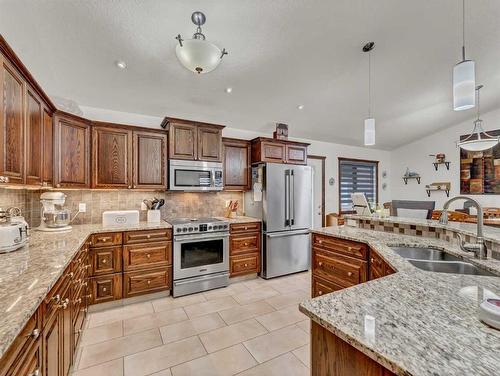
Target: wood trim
[105, 124]
[167, 120]
[338, 179]
[269, 139]
[323, 185]
[11, 56]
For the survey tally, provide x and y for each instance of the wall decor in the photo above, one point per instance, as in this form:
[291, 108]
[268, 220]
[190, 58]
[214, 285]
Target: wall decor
[281, 132]
[440, 159]
[480, 170]
[438, 186]
[411, 175]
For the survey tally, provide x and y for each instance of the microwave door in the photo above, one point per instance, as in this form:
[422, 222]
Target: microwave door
[192, 178]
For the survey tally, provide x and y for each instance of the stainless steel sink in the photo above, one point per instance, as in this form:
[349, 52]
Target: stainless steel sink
[416, 253]
[435, 260]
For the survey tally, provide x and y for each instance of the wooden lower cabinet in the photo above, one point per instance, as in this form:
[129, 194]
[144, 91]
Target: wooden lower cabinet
[321, 286]
[332, 356]
[378, 267]
[106, 288]
[52, 337]
[244, 248]
[144, 282]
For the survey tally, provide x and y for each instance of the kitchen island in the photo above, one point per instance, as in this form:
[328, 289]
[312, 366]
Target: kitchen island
[411, 322]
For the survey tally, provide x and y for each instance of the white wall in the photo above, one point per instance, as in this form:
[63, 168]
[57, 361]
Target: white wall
[329, 150]
[416, 156]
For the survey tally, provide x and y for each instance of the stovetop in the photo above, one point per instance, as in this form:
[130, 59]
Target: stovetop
[197, 225]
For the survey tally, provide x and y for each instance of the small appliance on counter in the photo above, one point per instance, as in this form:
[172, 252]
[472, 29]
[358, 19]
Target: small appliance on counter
[54, 217]
[489, 312]
[120, 218]
[13, 230]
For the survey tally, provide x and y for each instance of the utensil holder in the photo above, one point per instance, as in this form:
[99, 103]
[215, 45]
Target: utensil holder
[154, 216]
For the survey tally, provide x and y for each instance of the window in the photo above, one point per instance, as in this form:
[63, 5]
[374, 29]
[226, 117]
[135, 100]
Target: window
[357, 175]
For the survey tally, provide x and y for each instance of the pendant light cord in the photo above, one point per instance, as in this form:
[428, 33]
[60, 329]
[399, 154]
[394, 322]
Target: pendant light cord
[463, 30]
[369, 84]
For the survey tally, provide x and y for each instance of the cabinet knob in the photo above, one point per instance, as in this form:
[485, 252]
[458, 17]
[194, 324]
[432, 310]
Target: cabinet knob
[129, 187]
[64, 304]
[320, 292]
[89, 296]
[58, 185]
[78, 301]
[87, 266]
[35, 372]
[246, 228]
[246, 265]
[35, 333]
[56, 298]
[104, 289]
[148, 236]
[246, 244]
[349, 274]
[320, 263]
[104, 261]
[148, 255]
[320, 241]
[149, 282]
[372, 260]
[84, 284]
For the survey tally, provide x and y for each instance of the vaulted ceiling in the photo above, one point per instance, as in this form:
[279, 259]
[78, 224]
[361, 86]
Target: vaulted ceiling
[282, 53]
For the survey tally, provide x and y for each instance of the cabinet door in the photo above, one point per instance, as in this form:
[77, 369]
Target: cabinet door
[183, 141]
[11, 124]
[34, 138]
[150, 161]
[111, 158]
[209, 144]
[48, 148]
[67, 332]
[296, 154]
[236, 165]
[72, 144]
[52, 365]
[272, 152]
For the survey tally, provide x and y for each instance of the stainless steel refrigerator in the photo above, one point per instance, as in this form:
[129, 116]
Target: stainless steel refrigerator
[281, 196]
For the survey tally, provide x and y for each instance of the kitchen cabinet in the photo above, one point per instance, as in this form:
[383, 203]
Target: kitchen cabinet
[34, 138]
[378, 266]
[72, 151]
[150, 160]
[47, 148]
[11, 123]
[330, 355]
[191, 140]
[111, 157]
[237, 170]
[244, 248]
[278, 151]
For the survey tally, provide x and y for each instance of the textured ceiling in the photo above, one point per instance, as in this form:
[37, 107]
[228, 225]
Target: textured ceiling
[281, 53]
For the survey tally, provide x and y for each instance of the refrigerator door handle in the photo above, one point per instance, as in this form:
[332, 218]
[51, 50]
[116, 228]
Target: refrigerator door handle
[287, 197]
[291, 199]
[288, 233]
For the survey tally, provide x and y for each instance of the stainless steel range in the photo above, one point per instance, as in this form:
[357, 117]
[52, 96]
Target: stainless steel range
[201, 254]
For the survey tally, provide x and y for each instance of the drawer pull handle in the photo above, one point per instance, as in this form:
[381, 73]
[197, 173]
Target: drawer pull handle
[89, 296]
[64, 304]
[56, 298]
[349, 274]
[148, 255]
[78, 301]
[87, 266]
[84, 284]
[35, 333]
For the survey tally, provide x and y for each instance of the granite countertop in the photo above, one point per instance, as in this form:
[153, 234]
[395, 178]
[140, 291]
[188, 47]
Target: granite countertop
[28, 274]
[425, 323]
[490, 233]
[240, 219]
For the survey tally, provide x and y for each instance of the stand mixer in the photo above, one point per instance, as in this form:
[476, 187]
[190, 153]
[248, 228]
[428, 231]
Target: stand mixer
[54, 217]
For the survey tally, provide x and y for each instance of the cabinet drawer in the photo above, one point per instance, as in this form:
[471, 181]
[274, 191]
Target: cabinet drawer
[345, 271]
[143, 282]
[28, 363]
[247, 264]
[244, 243]
[53, 299]
[245, 227]
[346, 247]
[147, 255]
[28, 336]
[133, 237]
[322, 286]
[105, 260]
[376, 265]
[105, 288]
[106, 240]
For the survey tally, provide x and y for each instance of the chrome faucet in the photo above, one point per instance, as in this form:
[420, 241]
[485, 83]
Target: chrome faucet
[478, 248]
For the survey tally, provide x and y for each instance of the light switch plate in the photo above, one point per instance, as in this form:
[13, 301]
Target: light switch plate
[82, 207]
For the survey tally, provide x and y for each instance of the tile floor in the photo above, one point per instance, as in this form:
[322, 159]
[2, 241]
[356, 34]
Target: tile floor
[250, 328]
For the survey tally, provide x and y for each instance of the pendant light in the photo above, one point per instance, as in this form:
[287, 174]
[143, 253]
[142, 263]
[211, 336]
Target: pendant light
[370, 121]
[478, 140]
[197, 54]
[464, 77]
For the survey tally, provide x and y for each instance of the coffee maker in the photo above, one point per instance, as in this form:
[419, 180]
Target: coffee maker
[54, 217]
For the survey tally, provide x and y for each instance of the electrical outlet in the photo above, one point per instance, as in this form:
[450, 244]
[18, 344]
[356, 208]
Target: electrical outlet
[82, 207]
[143, 206]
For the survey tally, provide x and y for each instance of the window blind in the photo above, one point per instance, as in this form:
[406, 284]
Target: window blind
[357, 176]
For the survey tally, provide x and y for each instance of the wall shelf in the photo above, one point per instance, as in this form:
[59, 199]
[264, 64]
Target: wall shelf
[446, 163]
[446, 190]
[406, 178]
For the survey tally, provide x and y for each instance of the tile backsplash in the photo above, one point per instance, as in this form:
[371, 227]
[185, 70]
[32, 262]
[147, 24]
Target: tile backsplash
[177, 204]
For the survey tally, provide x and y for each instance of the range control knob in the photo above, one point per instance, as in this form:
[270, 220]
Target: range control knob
[209, 227]
[184, 229]
[191, 229]
[179, 230]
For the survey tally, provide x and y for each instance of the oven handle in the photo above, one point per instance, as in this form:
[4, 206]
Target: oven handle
[201, 279]
[198, 236]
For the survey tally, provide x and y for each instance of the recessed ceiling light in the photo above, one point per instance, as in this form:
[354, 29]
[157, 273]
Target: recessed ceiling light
[229, 89]
[300, 107]
[121, 64]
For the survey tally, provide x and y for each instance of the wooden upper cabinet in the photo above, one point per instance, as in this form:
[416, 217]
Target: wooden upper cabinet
[11, 123]
[48, 148]
[278, 151]
[34, 138]
[194, 141]
[183, 140]
[209, 143]
[236, 157]
[72, 151]
[149, 155]
[111, 157]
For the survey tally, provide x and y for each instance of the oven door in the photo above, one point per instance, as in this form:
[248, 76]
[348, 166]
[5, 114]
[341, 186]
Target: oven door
[200, 254]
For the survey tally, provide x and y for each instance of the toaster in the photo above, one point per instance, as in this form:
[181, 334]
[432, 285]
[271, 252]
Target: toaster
[13, 234]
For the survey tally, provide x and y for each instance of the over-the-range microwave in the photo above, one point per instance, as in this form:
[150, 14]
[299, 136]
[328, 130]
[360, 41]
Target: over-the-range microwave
[195, 176]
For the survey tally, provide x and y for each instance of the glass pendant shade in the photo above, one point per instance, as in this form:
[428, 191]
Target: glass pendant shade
[369, 132]
[478, 140]
[199, 56]
[464, 85]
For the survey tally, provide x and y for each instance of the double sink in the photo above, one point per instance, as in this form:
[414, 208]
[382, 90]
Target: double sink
[435, 260]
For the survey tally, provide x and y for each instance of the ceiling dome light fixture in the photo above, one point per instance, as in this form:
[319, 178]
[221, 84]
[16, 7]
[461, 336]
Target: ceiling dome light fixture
[300, 107]
[370, 121]
[197, 54]
[478, 140]
[121, 64]
[464, 77]
[229, 90]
